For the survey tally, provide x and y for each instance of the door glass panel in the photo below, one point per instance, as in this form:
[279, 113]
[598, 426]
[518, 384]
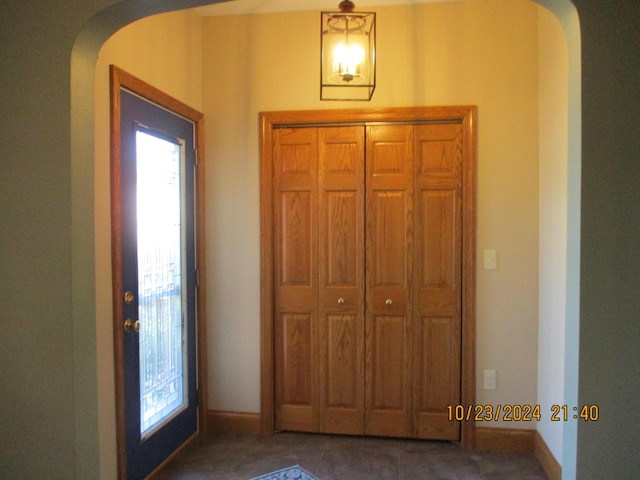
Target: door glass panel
[161, 311]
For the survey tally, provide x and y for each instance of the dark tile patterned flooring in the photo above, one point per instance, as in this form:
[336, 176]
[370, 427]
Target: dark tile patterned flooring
[331, 457]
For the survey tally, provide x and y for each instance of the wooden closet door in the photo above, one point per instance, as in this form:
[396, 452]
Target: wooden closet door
[341, 271]
[367, 325]
[296, 279]
[389, 230]
[437, 280]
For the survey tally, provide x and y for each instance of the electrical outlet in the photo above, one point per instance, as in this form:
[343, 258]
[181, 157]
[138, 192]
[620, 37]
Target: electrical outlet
[489, 379]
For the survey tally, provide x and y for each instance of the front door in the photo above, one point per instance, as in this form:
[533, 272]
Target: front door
[156, 274]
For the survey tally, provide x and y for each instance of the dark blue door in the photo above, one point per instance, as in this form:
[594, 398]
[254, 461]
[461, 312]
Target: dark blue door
[157, 164]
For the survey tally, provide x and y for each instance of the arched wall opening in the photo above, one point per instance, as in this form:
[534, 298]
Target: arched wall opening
[98, 445]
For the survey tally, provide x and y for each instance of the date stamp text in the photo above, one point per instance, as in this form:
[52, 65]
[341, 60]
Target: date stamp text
[521, 413]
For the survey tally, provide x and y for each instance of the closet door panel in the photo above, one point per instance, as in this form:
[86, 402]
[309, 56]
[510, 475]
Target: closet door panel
[437, 366]
[438, 270]
[295, 282]
[386, 376]
[389, 227]
[437, 209]
[341, 214]
[389, 251]
[342, 397]
[296, 245]
[341, 270]
[294, 342]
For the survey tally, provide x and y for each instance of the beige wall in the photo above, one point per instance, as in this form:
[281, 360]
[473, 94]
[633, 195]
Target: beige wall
[165, 51]
[482, 53]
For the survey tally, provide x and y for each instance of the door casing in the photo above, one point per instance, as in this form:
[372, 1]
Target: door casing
[268, 122]
[119, 80]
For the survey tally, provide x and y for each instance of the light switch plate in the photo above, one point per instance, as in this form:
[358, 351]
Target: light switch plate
[490, 260]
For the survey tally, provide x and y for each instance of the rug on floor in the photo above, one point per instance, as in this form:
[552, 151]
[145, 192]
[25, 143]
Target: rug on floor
[290, 473]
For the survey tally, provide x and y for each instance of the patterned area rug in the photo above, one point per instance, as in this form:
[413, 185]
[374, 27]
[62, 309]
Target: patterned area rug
[291, 473]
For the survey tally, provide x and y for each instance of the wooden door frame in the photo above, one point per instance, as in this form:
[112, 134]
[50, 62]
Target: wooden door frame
[268, 122]
[119, 79]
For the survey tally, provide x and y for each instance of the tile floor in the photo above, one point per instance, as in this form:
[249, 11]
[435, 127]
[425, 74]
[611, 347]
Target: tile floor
[331, 457]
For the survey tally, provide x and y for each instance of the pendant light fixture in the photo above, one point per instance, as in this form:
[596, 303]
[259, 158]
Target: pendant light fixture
[348, 54]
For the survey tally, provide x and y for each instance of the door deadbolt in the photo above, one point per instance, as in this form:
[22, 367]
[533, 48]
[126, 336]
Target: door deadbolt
[128, 297]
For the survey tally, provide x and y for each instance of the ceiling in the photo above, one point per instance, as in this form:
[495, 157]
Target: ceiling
[238, 7]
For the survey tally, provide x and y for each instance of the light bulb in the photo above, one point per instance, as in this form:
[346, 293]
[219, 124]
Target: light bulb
[347, 60]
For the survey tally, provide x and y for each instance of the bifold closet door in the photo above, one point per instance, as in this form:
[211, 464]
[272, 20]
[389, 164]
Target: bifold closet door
[341, 271]
[319, 279]
[437, 279]
[367, 279]
[296, 279]
[413, 279]
[389, 233]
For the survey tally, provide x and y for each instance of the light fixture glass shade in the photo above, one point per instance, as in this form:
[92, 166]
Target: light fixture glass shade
[348, 54]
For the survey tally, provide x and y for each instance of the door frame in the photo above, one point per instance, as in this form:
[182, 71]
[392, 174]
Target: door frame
[466, 115]
[119, 79]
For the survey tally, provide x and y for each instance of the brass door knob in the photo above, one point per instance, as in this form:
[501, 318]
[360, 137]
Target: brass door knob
[341, 301]
[388, 301]
[131, 326]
